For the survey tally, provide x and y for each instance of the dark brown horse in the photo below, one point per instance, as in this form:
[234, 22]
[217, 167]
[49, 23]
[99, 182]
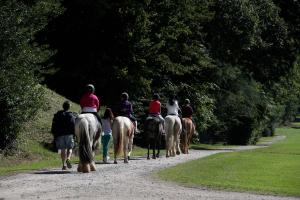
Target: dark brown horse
[153, 132]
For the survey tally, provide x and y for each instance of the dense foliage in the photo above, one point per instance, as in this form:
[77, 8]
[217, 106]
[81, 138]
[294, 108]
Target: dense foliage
[237, 60]
[20, 56]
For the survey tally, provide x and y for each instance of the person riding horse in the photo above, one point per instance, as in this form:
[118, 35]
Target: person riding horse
[155, 109]
[126, 110]
[89, 102]
[187, 110]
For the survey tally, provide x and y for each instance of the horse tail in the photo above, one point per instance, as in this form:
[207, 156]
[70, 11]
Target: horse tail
[85, 149]
[184, 130]
[118, 132]
[169, 124]
[184, 134]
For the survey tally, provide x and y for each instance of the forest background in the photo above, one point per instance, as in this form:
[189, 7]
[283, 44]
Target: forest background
[236, 60]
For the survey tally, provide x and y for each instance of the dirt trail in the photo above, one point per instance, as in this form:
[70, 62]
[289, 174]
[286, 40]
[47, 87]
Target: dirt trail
[121, 181]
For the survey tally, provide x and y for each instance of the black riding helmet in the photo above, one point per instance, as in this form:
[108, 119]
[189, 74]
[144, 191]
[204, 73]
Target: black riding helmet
[156, 96]
[90, 88]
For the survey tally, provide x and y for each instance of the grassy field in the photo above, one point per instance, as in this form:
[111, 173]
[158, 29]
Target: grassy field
[272, 170]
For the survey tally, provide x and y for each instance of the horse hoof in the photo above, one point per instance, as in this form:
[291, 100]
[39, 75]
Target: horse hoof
[115, 162]
[125, 161]
[148, 158]
[153, 157]
[178, 152]
[92, 167]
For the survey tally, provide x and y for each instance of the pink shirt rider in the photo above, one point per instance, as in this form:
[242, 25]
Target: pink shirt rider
[89, 103]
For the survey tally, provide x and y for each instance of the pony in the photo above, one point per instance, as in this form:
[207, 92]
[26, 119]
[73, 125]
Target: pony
[173, 129]
[188, 130]
[123, 134]
[87, 131]
[153, 131]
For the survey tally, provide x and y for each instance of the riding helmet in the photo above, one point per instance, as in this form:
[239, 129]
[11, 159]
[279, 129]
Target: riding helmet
[90, 88]
[125, 95]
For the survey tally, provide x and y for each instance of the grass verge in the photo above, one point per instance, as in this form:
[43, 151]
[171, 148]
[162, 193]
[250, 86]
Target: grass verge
[272, 170]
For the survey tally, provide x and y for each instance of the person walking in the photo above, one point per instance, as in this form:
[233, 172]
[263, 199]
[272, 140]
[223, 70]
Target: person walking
[107, 121]
[63, 129]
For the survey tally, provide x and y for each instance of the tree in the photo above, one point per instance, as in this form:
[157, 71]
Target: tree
[20, 59]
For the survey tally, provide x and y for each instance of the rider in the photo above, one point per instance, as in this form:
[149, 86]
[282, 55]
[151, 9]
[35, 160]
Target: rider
[126, 110]
[172, 106]
[187, 110]
[89, 102]
[155, 108]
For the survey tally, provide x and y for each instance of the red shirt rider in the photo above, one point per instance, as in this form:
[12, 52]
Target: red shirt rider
[155, 107]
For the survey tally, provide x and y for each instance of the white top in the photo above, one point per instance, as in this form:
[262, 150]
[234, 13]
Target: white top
[106, 126]
[172, 109]
[89, 109]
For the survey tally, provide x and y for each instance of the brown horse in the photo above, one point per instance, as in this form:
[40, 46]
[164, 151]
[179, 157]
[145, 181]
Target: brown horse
[188, 130]
[123, 133]
[153, 132]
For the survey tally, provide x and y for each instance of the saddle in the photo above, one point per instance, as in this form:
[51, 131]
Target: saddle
[152, 117]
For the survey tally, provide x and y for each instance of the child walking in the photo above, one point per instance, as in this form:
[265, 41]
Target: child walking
[107, 120]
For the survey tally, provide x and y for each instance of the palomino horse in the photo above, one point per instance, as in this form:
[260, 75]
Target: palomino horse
[173, 129]
[153, 131]
[87, 131]
[123, 133]
[188, 130]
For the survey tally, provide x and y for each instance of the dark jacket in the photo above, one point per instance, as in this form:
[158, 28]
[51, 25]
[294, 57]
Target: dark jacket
[63, 123]
[187, 111]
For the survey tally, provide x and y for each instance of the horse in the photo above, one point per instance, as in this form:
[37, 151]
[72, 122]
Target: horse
[188, 130]
[173, 129]
[123, 134]
[153, 131]
[87, 131]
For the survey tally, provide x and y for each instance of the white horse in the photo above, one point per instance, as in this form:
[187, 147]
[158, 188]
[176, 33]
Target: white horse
[123, 133]
[87, 131]
[173, 129]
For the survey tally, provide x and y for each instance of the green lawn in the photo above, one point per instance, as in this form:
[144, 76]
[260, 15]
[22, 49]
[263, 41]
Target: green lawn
[271, 170]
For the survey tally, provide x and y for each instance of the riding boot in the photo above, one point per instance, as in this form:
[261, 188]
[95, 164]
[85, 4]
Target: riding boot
[137, 131]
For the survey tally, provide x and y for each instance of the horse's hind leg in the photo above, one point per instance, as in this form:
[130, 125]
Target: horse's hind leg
[130, 144]
[176, 144]
[79, 167]
[125, 150]
[92, 166]
[148, 156]
[86, 168]
[153, 151]
[158, 147]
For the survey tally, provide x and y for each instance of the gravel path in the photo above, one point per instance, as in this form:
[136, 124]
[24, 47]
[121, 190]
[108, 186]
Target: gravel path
[121, 181]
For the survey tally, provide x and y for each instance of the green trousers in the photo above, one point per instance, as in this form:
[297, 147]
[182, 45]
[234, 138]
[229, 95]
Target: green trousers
[105, 141]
